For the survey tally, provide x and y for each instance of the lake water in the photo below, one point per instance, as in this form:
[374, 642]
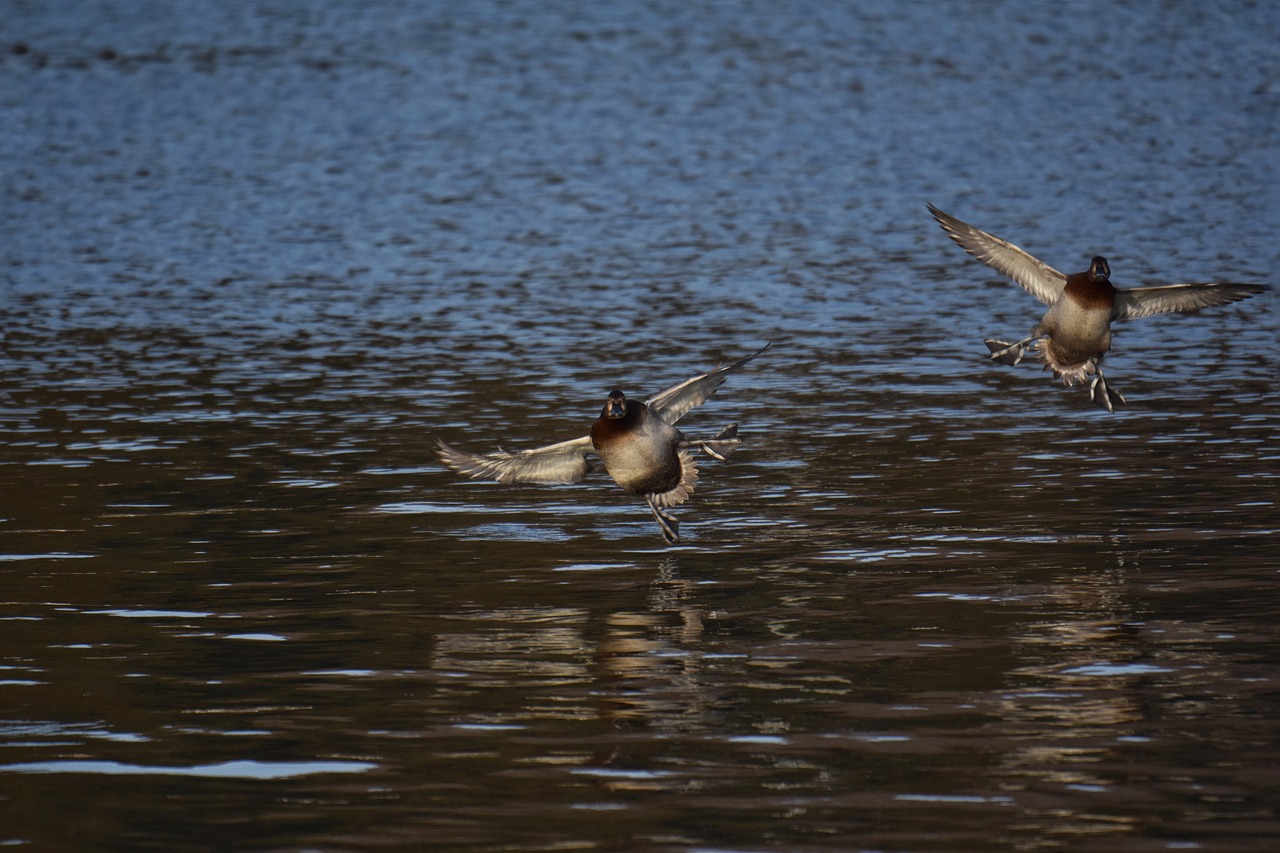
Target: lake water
[257, 256]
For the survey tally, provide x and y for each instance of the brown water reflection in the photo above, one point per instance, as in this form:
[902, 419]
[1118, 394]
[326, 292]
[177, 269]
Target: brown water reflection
[917, 631]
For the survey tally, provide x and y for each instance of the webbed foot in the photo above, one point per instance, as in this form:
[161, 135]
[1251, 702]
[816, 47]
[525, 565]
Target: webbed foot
[1007, 353]
[1105, 395]
[721, 444]
[668, 523]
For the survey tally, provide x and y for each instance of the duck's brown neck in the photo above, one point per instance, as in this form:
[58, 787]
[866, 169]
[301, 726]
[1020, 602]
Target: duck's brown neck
[1089, 293]
[606, 427]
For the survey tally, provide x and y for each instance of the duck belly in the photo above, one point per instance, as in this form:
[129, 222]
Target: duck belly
[1076, 339]
[649, 462]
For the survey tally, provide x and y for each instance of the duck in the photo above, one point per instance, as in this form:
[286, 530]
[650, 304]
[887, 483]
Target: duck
[1075, 333]
[637, 442]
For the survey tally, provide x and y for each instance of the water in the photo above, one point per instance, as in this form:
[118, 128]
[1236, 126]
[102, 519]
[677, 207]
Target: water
[257, 256]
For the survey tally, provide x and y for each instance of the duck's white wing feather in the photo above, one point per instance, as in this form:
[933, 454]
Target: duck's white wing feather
[675, 402]
[1166, 298]
[1036, 277]
[565, 462]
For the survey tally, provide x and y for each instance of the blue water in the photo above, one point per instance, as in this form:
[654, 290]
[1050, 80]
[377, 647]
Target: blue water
[256, 256]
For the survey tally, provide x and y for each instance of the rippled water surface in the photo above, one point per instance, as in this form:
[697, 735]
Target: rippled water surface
[257, 256]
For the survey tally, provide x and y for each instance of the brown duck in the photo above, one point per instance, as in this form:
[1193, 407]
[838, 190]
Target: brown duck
[1075, 333]
[637, 442]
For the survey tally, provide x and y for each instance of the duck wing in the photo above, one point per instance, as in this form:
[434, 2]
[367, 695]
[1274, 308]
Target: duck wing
[672, 404]
[1166, 298]
[565, 462]
[1036, 277]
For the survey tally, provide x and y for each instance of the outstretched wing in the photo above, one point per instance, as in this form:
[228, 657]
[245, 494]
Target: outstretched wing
[1036, 277]
[1163, 299]
[672, 404]
[565, 462]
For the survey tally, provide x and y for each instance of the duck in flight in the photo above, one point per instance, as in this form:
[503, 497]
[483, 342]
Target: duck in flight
[1075, 333]
[637, 442]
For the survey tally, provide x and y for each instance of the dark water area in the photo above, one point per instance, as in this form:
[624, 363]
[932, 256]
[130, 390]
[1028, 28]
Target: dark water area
[257, 256]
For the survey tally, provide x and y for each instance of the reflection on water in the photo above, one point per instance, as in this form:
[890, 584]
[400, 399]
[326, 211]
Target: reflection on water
[226, 770]
[258, 257]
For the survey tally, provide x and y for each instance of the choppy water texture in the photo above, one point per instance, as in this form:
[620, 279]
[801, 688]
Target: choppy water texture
[256, 256]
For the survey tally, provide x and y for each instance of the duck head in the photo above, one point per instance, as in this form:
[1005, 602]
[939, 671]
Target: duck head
[615, 407]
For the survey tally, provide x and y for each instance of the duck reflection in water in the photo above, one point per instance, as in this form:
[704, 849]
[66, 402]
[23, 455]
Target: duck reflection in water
[1075, 333]
[637, 442]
